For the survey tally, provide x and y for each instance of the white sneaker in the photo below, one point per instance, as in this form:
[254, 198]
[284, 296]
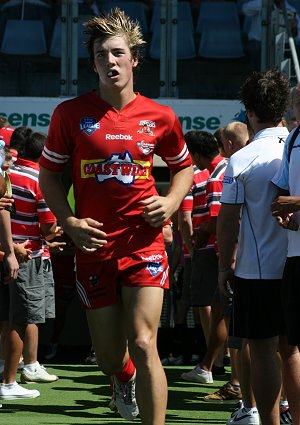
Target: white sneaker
[244, 416]
[124, 398]
[198, 375]
[175, 361]
[172, 361]
[39, 375]
[16, 391]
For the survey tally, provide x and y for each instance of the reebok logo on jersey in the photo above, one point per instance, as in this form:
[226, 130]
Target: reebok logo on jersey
[89, 125]
[121, 168]
[146, 127]
[154, 268]
[227, 180]
[118, 137]
[145, 147]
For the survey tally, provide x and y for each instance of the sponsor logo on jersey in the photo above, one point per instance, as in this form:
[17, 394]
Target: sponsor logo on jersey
[146, 127]
[227, 180]
[145, 147]
[89, 125]
[118, 137]
[121, 168]
[154, 268]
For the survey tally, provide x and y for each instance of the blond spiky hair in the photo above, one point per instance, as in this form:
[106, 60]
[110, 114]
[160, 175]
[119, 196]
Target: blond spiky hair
[114, 23]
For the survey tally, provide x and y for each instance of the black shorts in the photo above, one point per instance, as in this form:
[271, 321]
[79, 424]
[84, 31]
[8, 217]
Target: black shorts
[291, 299]
[204, 277]
[257, 308]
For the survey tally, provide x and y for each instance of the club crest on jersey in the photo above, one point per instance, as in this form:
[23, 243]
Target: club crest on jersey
[146, 127]
[154, 268]
[145, 147]
[89, 125]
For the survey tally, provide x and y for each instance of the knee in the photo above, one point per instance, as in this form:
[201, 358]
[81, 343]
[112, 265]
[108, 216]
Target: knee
[142, 348]
[110, 365]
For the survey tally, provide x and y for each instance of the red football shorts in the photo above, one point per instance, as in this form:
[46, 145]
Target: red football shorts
[99, 284]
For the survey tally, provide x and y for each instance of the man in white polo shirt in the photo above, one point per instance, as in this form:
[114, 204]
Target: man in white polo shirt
[287, 204]
[245, 215]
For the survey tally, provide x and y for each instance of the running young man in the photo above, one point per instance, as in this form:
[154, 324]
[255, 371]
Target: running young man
[110, 136]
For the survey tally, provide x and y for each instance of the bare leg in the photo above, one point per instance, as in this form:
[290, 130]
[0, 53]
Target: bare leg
[205, 314]
[31, 343]
[291, 377]
[244, 362]
[266, 379]
[142, 324]
[13, 352]
[108, 339]
[234, 377]
[217, 337]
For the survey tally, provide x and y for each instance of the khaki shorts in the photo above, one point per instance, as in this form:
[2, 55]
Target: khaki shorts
[27, 294]
[49, 289]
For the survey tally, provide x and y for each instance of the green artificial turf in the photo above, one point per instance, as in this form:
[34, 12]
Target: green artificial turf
[82, 393]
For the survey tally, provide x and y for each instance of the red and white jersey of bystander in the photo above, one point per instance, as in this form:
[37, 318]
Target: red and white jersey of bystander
[214, 189]
[31, 209]
[195, 201]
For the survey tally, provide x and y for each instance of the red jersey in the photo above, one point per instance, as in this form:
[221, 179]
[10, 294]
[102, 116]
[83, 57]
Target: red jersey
[31, 209]
[112, 159]
[214, 190]
[195, 201]
[5, 134]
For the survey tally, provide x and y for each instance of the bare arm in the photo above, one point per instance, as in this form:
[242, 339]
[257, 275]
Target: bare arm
[227, 234]
[10, 261]
[85, 233]
[285, 204]
[186, 228]
[283, 207]
[158, 209]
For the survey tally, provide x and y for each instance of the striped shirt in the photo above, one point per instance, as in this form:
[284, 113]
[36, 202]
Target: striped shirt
[214, 189]
[31, 209]
[195, 201]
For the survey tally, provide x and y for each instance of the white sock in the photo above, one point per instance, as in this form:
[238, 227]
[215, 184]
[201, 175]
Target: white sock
[247, 409]
[32, 367]
[10, 385]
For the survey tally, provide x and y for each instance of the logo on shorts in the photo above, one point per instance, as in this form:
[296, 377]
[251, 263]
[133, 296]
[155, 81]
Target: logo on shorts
[153, 257]
[93, 280]
[89, 125]
[154, 268]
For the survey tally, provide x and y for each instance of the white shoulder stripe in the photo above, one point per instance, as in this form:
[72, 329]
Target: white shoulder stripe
[182, 153]
[55, 154]
[181, 159]
[52, 159]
